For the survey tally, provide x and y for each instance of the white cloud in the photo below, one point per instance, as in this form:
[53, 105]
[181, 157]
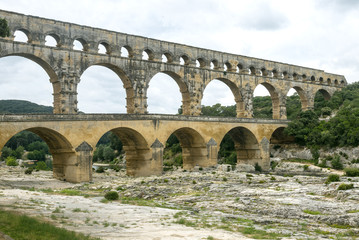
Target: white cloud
[319, 34]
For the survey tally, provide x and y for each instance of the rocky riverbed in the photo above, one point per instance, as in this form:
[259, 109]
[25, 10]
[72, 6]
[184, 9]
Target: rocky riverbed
[219, 203]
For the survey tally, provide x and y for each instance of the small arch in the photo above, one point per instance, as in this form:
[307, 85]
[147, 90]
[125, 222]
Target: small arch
[275, 73]
[214, 64]
[264, 72]
[252, 70]
[52, 40]
[22, 35]
[304, 77]
[167, 57]
[336, 82]
[285, 75]
[148, 55]
[325, 94]
[104, 48]
[312, 78]
[126, 51]
[239, 68]
[227, 66]
[80, 44]
[295, 76]
[321, 80]
[342, 83]
[200, 62]
[184, 60]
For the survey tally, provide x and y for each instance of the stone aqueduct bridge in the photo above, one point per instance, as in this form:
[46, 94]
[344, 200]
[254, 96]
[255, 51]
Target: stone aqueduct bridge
[71, 136]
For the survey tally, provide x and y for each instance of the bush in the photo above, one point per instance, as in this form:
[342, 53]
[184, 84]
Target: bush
[29, 171]
[352, 172]
[11, 161]
[257, 168]
[41, 166]
[336, 163]
[112, 195]
[345, 186]
[100, 169]
[332, 178]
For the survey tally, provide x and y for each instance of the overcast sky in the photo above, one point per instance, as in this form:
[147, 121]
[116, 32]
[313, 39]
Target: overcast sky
[319, 34]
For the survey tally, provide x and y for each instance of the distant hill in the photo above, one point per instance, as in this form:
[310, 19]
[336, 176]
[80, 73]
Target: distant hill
[21, 106]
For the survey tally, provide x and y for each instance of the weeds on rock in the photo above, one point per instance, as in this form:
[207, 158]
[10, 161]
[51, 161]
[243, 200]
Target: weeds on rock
[345, 186]
[112, 195]
[332, 178]
[352, 172]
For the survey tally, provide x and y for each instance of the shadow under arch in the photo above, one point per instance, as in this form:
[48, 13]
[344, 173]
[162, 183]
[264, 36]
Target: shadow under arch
[275, 100]
[327, 96]
[186, 99]
[246, 146]
[137, 151]
[194, 148]
[64, 156]
[235, 91]
[279, 137]
[56, 86]
[127, 84]
[303, 97]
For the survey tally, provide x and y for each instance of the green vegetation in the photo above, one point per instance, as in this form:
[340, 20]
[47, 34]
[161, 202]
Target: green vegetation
[112, 195]
[345, 186]
[332, 178]
[27, 228]
[21, 106]
[311, 212]
[351, 172]
[11, 161]
[341, 130]
[4, 28]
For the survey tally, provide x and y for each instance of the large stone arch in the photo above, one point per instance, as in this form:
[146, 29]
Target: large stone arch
[137, 150]
[247, 147]
[304, 100]
[183, 87]
[326, 94]
[277, 109]
[49, 69]
[279, 137]
[194, 148]
[235, 91]
[67, 164]
[127, 84]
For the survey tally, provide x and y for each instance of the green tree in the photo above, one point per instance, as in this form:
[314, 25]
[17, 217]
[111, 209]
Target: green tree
[36, 155]
[5, 152]
[108, 153]
[11, 161]
[4, 28]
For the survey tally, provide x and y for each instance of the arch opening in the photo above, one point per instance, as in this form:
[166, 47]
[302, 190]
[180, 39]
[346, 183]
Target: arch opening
[163, 96]
[221, 97]
[21, 35]
[194, 150]
[296, 101]
[135, 150]
[148, 55]
[79, 45]
[200, 62]
[262, 102]
[51, 41]
[322, 106]
[101, 88]
[240, 146]
[23, 78]
[172, 154]
[104, 48]
[278, 140]
[167, 58]
[126, 51]
[184, 60]
[44, 149]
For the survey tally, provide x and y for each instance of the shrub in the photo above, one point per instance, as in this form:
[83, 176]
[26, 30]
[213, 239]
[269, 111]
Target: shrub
[41, 166]
[100, 169]
[112, 195]
[345, 186]
[332, 178]
[29, 171]
[257, 168]
[352, 172]
[305, 167]
[273, 165]
[11, 161]
[336, 163]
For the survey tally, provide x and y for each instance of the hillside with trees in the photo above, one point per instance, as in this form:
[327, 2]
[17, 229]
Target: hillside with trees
[21, 106]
